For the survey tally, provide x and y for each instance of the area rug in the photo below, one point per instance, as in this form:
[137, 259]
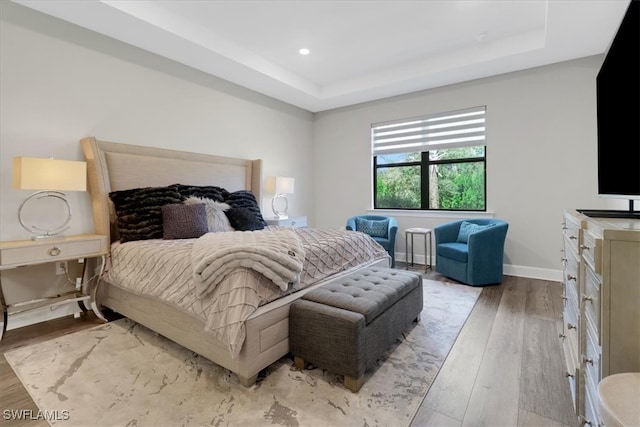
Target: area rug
[123, 374]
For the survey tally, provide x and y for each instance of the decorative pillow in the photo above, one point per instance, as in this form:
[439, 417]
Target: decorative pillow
[212, 192]
[139, 211]
[243, 219]
[467, 229]
[180, 221]
[245, 199]
[373, 227]
[216, 219]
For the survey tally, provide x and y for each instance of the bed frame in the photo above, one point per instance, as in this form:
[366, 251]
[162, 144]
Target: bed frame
[114, 166]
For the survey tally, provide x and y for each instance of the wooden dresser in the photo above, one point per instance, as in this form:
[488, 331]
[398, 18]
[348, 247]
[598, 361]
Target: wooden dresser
[601, 317]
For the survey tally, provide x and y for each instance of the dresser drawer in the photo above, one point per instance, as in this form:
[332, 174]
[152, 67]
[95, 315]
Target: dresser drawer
[26, 253]
[591, 361]
[571, 263]
[591, 300]
[570, 316]
[571, 232]
[570, 360]
[591, 417]
[591, 248]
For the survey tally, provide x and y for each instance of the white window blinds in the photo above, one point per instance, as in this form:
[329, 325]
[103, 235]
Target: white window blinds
[462, 128]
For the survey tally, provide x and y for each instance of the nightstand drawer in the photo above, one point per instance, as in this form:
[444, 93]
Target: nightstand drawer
[300, 221]
[13, 254]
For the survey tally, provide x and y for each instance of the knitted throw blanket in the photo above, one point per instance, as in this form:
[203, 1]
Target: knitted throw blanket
[276, 254]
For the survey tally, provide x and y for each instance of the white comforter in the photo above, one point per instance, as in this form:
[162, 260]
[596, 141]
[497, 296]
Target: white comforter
[163, 269]
[276, 254]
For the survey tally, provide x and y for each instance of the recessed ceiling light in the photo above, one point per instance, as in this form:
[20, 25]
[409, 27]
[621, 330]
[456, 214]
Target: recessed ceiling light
[304, 51]
[482, 36]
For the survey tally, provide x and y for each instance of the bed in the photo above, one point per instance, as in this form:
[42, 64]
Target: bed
[114, 167]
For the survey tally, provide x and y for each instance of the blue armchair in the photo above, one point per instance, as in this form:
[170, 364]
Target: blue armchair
[471, 251]
[382, 229]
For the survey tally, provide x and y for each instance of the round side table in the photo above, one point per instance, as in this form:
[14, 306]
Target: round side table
[619, 396]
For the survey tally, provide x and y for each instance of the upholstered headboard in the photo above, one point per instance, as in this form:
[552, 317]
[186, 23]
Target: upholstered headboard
[113, 166]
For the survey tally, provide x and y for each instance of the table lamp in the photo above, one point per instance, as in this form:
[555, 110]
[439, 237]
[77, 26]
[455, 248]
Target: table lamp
[51, 177]
[279, 185]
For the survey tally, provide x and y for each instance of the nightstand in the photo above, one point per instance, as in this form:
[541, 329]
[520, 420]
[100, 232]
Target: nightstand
[297, 221]
[25, 253]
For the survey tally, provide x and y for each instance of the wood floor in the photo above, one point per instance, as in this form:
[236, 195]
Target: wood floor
[505, 368]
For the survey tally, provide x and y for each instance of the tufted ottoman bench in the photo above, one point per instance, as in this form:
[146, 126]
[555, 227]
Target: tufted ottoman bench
[347, 324]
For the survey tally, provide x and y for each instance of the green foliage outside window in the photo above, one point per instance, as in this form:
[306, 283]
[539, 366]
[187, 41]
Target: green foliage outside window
[456, 180]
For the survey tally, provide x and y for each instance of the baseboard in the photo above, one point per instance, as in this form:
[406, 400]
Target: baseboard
[508, 269]
[533, 272]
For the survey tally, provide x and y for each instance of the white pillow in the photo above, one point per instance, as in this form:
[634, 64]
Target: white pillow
[216, 219]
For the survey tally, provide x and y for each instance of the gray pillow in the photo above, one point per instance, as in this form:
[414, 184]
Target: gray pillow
[182, 221]
[217, 221]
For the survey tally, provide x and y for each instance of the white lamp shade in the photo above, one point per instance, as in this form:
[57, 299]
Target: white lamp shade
[31, 173]
[279, 185]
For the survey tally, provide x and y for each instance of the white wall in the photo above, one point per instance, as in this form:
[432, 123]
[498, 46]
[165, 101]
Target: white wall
[541, 156]
[60, 83]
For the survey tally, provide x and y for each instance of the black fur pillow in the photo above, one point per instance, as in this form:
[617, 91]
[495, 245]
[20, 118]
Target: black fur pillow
[242, 219]
[212, 192]
[245, 199]
[139, 211]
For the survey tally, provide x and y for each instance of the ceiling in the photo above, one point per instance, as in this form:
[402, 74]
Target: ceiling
[359, 50]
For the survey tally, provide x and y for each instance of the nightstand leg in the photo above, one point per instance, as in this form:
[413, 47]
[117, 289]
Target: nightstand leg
[93, 291]
[79, 290]
[3, 306]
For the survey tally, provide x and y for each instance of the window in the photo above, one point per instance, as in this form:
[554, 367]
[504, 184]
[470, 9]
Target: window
[435, 162]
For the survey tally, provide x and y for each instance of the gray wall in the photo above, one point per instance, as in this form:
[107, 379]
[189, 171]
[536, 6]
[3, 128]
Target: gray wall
[60, 83]
[541, 156]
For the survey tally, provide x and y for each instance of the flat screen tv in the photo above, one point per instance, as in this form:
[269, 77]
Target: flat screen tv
[618, 115]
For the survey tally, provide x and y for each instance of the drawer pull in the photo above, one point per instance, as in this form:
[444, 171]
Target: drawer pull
[588, 422]
[54, 251]
[568, 375]
[584, 247]
[570, 326]
[564, 227]
[563, 260]
[562, 336]
[572, 237]
[564, 298]
[588, 298]
[590, 361]
[570, 277]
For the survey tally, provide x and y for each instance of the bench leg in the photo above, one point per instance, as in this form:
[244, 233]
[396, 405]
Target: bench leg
[300, 363]
[248, 381]
[353, 384]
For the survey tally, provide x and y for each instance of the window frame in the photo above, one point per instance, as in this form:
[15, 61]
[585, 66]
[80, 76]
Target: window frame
[425, 162]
